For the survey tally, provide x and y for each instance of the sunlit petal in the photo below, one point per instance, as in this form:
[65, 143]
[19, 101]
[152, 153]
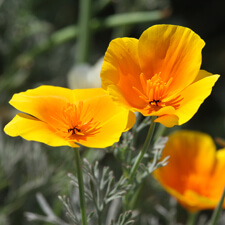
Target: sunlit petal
[121, 68]
[33, 129]
[110, 131]
[193, 96]
[88, 117]
[172, 51]
[42, 101]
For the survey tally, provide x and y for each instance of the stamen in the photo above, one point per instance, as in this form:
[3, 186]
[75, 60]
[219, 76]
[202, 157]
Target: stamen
[155, 92]
[73, 122]
[141, 95]
[143, 81]
[154, 102]
[74, 130]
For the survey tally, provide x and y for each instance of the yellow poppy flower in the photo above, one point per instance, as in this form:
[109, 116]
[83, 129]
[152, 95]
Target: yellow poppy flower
[159, 74]
[194, 174]
[59, 116]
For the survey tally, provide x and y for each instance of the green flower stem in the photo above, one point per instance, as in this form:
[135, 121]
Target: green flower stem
[134, 129]
[99, 218]
[81, 186]
[134, 197]
[192, 218]
[218, 210]
[131, 18]
[83, 38]
[144, 149]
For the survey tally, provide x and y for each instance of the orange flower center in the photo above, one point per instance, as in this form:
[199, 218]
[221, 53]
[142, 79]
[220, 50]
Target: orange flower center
[155, 92]
[73, 122]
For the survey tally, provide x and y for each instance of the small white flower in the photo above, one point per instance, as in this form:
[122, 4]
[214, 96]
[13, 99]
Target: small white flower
[85, 76]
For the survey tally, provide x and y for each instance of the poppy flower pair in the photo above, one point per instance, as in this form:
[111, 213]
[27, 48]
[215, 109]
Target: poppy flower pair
[157, 75]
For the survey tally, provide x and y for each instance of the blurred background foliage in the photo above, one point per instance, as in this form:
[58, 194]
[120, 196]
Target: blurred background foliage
[48, 42]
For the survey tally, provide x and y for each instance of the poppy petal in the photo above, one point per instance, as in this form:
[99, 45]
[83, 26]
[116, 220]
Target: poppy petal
[112, 120]
[196, 184]
[33, 129]
[194, 145]
[42, 101]
[121, 68]
[110, 132]
[192, 201]
[194, 95]
[171, 51]
[87, 94]
[168, 120]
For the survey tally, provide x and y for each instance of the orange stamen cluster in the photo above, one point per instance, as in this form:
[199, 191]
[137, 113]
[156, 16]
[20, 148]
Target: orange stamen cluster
[73, 122]
[155, 91]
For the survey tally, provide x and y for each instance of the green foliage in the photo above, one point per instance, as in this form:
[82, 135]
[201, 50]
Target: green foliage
[100, 190]
[25, 170]
[124, 219]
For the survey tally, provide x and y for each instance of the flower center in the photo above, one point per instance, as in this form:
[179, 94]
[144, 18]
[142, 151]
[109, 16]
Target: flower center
[74, 130]
[155, 92]
[74, 122]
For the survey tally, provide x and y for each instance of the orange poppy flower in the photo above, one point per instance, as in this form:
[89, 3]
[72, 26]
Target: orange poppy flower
[59, 116]
[159, 74]
[194, 174]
